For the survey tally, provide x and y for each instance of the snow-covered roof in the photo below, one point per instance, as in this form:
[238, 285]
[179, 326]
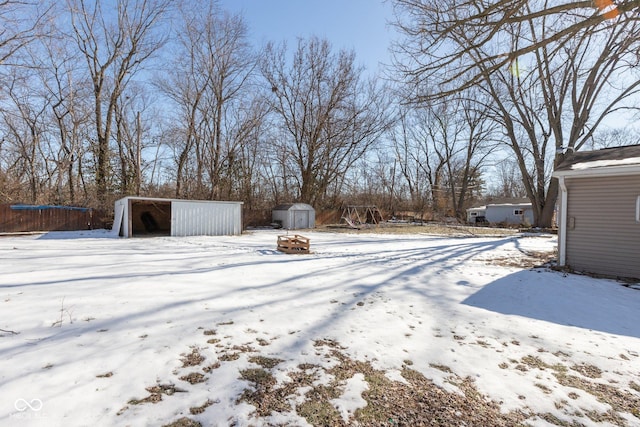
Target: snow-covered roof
[606, 163]
[160, 199]
[510, 205]
[499, 205]
[614, 160]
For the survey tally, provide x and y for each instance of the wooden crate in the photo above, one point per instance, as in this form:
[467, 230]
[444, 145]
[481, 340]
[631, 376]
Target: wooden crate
[295, 244]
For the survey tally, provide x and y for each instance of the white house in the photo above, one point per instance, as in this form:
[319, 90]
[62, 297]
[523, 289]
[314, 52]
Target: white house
[502, 213]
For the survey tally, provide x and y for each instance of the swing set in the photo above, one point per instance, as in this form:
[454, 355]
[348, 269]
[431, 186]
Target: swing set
[361, 216]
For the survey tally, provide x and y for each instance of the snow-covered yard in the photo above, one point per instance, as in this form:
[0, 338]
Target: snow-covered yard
[228, 331]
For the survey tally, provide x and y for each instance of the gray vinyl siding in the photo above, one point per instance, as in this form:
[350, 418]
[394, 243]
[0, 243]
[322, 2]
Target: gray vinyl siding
[603, 235]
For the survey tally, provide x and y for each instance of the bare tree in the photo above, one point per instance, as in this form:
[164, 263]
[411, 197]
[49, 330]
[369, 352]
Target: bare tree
[24, 123]
[55, 63]
[555, 97]
[328, 114]
[433, 21]
[375, 180]
[243, 163]
[19, 22]
[209, 81]
[19, 26]
[419, 164]
[132, 136]
[114, 46]
[441, 149]
[477, 142]
[507, 183]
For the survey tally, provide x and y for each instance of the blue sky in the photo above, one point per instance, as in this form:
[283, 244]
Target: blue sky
[361, 25]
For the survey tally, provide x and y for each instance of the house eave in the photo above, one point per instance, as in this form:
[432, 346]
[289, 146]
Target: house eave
[601, 171]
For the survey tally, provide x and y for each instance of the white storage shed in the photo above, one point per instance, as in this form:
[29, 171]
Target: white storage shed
[140, 216]
[293, 216]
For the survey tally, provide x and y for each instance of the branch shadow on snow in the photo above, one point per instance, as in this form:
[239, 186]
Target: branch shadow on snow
[433, 254]
[99, 233]
[570, 300]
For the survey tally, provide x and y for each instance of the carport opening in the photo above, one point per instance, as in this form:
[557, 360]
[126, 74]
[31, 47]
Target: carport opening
[150, 218]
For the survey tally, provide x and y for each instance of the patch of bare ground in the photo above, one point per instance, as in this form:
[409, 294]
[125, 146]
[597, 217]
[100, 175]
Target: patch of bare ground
[184, 422]
[265, 362]
[200, 409]
[526, 259]
[264, 394]
[156, 393]
[193, 378]
[589, 371]
[211, 367]
[619, 400]
[416, 402]
[309, 390]
[421, 402]
[192, 359]
[552, 419]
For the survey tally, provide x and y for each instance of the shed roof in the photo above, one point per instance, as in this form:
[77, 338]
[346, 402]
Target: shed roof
[160, 199]
[293, 206]
[625, 159]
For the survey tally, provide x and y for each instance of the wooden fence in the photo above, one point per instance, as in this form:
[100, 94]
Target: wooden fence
[25, 218]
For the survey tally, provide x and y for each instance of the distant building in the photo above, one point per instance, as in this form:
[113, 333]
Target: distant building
[599, 216]
[477, 215]
[501, 213]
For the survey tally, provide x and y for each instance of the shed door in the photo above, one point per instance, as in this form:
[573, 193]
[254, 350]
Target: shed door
[300, 219]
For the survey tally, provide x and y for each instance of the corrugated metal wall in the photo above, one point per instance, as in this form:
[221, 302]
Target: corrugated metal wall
[25, 218]
[193, 218]
[602, 233]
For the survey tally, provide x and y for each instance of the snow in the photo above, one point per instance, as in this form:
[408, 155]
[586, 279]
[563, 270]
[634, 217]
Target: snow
[89, 321]
[351, 399]
[606, 163]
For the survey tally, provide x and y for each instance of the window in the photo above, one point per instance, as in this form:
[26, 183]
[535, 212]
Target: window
[518, 212]
[638, 209]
